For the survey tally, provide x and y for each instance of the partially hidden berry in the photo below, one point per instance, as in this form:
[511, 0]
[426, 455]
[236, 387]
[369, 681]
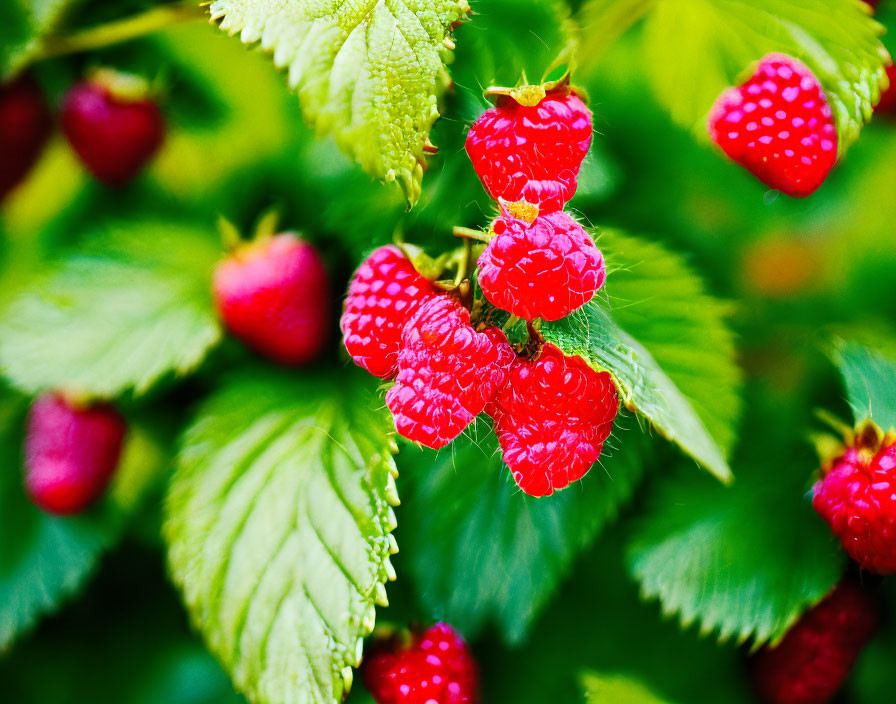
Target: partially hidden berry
[437, 668]
[113, 125]
[274, 295]
[543, 269]
[779, 126]
[811, 663]
[887, 104]
[447, 373]
[71, 452]
[385, 291]
[857, 497]
[552, 418]
[532, 152]
[25, 126]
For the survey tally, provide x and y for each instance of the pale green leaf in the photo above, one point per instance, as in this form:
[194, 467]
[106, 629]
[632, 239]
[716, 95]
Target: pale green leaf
[696, 48]
[616, 689]
[132, 305]
[279, 531]
[666, 344]
[869, 372]
[370, 73]
[481, 551]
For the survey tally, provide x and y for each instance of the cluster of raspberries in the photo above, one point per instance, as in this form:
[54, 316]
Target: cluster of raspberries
[551, 412]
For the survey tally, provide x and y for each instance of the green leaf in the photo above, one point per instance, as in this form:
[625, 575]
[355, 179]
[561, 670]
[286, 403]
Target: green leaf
[870, 376]
[744, 560]
[665, 342]
[23, 23]
[616, 689]
[133, 305]
[368, 73]
[696, 48]
[604, 21]
[483, 552]
[279, 531]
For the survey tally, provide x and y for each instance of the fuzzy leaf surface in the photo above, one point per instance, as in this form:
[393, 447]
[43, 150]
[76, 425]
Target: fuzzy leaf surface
[666, 344]
[869, 373]
[616, 689]
[370, 73]
[278, 531]
[132, 305]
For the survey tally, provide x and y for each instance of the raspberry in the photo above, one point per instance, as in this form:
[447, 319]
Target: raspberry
[385, 291]
[857, 497]
[112, 125]
[25, 125]
[437, 668]
[71, 452]
[887, 104]
[552, 418]
[813, 660]
[531, 152]
[543, 269]
[779, 126]
[447, 373]
[274, 295]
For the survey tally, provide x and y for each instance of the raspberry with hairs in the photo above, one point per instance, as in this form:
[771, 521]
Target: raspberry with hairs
[385, 292]
[779, 126]
[811, 663]
[447, 373]
[436, 668]
[857, 497]
[552, 418]
[531, 151]
[543, 269]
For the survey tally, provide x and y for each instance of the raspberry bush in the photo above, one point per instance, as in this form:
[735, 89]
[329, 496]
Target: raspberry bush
[488, 351]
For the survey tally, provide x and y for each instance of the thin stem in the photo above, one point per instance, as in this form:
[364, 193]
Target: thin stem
[470, 234]
[121, 30]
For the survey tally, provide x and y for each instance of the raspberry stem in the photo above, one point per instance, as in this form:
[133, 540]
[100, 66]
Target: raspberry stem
[470, 234]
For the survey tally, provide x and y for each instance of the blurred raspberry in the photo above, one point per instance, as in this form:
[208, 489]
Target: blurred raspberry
[385, 291]
[552, 418]
[447, 372]
[779, 126]
[544, 269]
[25, 126]
[887, 104]
[532, 152]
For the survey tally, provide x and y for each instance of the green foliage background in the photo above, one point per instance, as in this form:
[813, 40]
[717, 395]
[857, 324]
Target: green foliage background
[618, 589]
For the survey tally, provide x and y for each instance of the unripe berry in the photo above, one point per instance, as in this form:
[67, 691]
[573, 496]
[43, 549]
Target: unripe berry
[25, 126]
[71, 452]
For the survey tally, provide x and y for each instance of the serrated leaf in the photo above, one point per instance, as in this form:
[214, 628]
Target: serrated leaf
[369, 73]
[278, 530]
[869, 373]
[696, 48]
[483, 552]
[616, 689]
[131, 306]
[665, 342]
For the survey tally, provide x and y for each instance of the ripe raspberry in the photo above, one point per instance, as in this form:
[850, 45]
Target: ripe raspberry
[532, 152]
[857, 497]
[813, 660]
[887, 104]
[112, 125]
[25, 126]
[71, 452]
[552, 418]
[274, 295]
[436, 669]
[385, 291]
[779, 126]
[447, 373]
[544, 269]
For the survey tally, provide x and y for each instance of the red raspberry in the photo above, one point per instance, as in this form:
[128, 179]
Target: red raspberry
[857, 497]
[532, 152]
[436, 669]
[813, 660]
[71, 452]
[385, 291]
[552, 418]
[887, 104]
[447, 373]
[544, 269]
[779, 126]
[25, 125]
[274, 295]
[112, 125]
